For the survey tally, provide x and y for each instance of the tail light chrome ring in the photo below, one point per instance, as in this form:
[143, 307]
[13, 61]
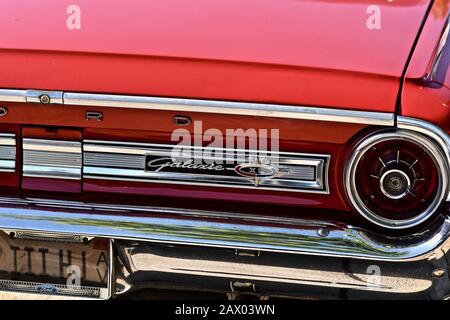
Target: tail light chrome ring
[397, 179]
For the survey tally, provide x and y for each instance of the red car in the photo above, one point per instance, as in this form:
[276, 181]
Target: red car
[267, 148]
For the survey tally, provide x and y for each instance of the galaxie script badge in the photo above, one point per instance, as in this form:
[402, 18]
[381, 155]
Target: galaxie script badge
[189, 166]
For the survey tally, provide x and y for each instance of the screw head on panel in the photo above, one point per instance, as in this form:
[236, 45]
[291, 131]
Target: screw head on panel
[323, 232]
[45, 99]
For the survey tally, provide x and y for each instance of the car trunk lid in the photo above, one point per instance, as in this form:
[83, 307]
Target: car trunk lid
[318, 53]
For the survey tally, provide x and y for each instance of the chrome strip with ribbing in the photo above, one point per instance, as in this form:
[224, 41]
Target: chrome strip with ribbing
[192, 105]
[7, 152]
[154, 163]
[52, 159]
[53, 289]
[232, 108]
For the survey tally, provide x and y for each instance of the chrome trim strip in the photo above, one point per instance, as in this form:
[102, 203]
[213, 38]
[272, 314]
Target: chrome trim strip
[444, 40]
[7, 152]
[98, 176]
[115, 208]
[7, 139]
[432, 131]
[207, 106]
[7, 165]
[43, 171]
[62, 146]
[232, 108]
[296, 172]
[36, 96]
[7, 95]
[236, 231]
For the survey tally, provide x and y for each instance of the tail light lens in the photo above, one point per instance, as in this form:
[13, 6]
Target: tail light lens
[396, 179]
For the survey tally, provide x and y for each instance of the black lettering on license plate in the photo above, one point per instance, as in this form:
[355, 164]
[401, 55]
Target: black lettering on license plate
[74, 263]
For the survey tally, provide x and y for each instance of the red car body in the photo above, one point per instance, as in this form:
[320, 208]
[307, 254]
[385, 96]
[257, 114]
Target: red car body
[315, 53]
[318, 54]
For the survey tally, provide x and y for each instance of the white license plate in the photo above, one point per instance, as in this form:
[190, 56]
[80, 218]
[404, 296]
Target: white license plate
[53, 267]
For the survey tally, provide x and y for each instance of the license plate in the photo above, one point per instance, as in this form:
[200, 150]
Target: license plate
[54, 267]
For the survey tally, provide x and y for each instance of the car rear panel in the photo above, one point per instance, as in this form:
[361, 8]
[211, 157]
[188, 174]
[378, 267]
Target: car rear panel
[317, 53]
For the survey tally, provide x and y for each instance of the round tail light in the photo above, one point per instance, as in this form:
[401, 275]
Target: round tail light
[396, 179]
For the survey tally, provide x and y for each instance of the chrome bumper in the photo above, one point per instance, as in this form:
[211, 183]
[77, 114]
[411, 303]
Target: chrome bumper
[242, 272]
[221, 251]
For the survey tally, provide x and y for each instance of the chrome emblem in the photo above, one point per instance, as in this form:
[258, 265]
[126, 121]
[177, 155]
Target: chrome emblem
[256, 170]
[234, 168]
[159, 164]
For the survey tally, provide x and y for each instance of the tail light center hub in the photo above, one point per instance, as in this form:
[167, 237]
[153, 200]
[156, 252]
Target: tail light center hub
[395, 184]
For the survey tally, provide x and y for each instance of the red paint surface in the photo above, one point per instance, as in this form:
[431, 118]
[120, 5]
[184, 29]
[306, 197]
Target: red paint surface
[317, 53]
[57, 122]
[295, 52]
[157, 126]
[421, 99]
[46, 186]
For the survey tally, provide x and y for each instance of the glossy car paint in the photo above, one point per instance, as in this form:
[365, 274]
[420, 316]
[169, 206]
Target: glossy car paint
[295, 136]
[317, 53]
[421, 98]
[314, 53]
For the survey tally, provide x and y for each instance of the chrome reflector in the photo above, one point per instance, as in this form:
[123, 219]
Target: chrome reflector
[7, 152]
[52, 159]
